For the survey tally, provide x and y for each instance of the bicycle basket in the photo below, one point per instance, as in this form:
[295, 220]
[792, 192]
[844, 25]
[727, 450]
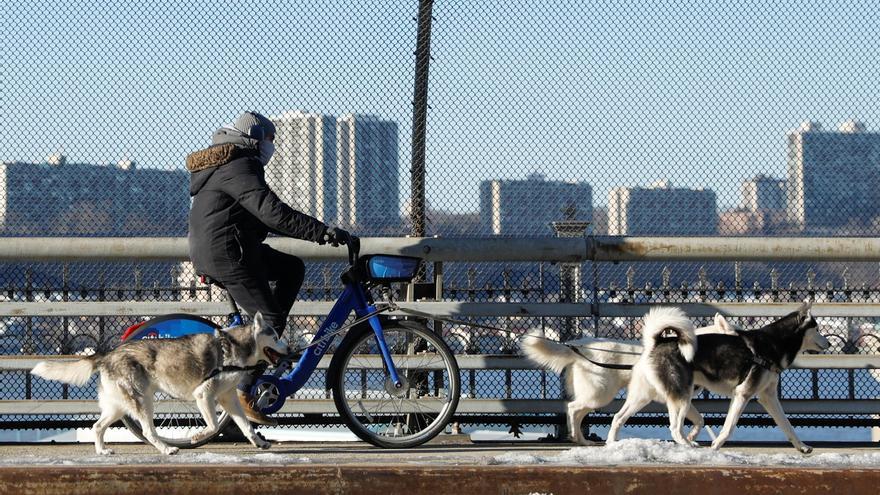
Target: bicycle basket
[384, 268]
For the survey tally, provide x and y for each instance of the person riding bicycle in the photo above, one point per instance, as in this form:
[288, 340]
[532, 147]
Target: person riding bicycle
[233, 210]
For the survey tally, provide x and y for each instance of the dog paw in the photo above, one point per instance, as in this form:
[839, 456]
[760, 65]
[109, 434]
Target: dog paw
[716, 445]
[261, 444]
[693, 443]
[170, 450]
[105, 451]
[805, 449]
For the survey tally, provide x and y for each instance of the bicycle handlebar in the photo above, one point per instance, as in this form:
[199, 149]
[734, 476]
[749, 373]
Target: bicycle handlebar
[353, 243]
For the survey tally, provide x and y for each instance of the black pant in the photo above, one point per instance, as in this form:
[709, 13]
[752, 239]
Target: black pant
[247, 281]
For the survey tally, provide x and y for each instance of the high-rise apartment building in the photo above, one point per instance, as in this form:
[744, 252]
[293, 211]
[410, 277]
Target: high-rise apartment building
[661, 209]
[833, 176]
[302, 172]
[367, 187]
[526, 207]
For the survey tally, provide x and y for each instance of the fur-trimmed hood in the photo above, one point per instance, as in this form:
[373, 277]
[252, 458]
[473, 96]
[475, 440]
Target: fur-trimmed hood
[227, 144]
[216, 155]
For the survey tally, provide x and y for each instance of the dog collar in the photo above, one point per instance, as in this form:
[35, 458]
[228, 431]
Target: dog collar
[760, 361]
[766, 363]
[222, 343]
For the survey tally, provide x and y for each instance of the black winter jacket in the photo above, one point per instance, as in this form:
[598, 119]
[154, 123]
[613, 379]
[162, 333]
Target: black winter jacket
[233, 208]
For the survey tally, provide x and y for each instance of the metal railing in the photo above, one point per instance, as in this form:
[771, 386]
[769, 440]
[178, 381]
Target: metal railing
[438, 251]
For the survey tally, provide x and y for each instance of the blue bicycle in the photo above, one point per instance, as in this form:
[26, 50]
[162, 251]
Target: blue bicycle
[395, 383]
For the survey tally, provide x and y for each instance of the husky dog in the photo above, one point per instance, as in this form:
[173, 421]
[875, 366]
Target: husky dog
[749, 363]
[202, 367]
[595, 370]
[664, 373]
[742, 364]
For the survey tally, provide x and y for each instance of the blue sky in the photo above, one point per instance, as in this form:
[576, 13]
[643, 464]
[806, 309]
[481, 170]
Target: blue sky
[701, 93]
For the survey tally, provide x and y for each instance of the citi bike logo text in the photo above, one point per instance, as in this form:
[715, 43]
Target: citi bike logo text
[322, 347]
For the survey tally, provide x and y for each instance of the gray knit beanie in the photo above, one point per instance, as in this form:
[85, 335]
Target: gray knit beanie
[254, 125]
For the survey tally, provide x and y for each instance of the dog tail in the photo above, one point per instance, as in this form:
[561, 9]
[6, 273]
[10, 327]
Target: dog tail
[664, 319]
[73, 372]
[546, 353]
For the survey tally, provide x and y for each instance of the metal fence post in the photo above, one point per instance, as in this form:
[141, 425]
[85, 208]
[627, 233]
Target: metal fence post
[420, 118]
[569, 292]
[569, 275]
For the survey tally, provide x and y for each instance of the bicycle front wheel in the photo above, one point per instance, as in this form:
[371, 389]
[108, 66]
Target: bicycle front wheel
[386, 415]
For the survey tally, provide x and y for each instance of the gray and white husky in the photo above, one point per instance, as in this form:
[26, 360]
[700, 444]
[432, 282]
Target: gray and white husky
[740, 364]
[205, 368]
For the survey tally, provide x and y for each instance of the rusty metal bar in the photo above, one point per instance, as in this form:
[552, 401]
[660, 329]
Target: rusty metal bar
[609, 248]
[175, 248]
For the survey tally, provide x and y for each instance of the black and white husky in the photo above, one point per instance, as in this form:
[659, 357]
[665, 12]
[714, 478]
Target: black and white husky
[203, 367]
[749, 363]
[595, 370]
[740, 364]
[664, 373]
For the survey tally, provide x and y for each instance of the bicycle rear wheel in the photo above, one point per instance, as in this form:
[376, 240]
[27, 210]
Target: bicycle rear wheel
[387, 416]
[179, 425]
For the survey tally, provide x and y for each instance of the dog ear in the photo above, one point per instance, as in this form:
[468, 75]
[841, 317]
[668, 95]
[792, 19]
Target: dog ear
[722, 323]
[259, 322]
[804, 311]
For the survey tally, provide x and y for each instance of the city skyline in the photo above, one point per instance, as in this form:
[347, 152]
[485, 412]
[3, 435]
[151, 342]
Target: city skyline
[585, 89]
[317, 170]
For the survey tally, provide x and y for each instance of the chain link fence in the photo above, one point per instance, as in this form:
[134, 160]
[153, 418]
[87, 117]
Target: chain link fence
[456, 119]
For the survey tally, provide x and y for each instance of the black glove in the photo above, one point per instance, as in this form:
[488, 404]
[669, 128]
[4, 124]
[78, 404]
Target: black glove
[335, 236]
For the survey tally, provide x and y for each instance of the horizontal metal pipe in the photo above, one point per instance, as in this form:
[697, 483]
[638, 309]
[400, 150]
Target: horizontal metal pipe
[444, 309]
[502, 362]
[496, 362]
[609, 248]
[300, 308]
[465, 406]
[769, 309]
[599, 248]
[175, 248]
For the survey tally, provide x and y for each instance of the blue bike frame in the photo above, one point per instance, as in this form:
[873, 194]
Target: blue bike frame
[352, 298]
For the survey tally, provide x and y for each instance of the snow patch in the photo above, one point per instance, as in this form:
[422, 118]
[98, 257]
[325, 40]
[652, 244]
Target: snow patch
[642, 451]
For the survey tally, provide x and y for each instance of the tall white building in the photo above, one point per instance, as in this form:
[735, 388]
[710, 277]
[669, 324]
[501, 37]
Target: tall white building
[303, 169]
[762, 193]
[661, 209]
[526, 207]
[832, 176]
[367, 188]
